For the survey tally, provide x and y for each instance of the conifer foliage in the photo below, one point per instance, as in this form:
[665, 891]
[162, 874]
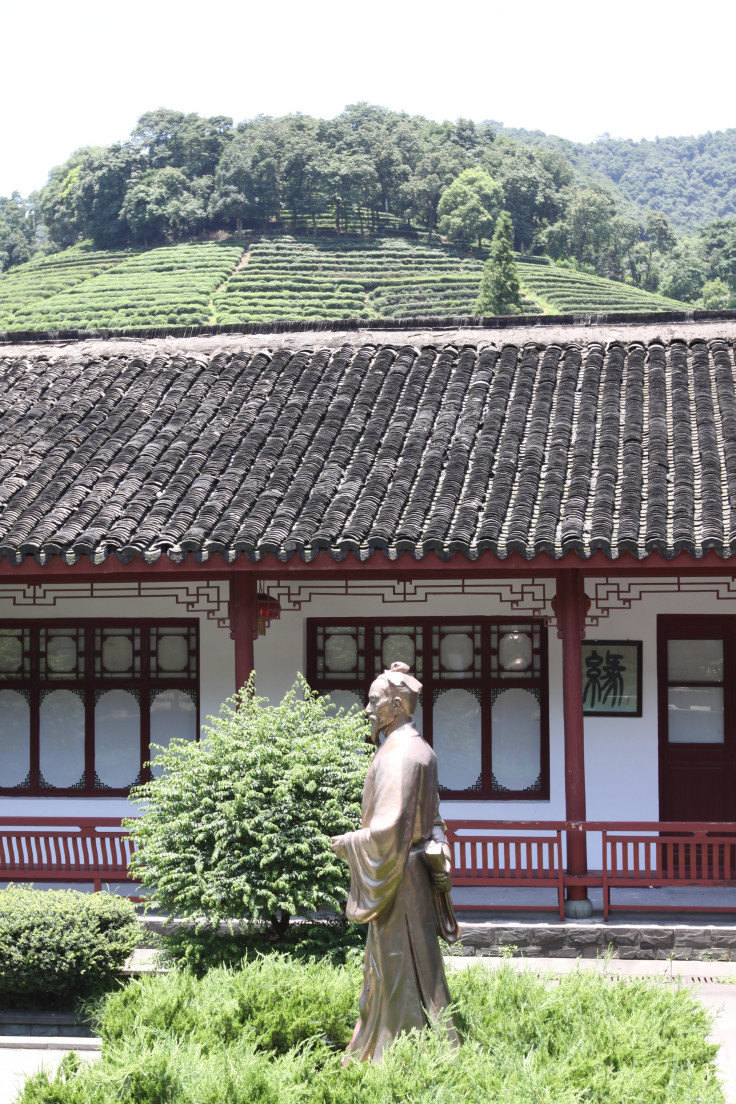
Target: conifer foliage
[500, 290]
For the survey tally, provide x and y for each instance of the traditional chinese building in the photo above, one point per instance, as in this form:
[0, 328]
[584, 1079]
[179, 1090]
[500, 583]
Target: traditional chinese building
[539, 518]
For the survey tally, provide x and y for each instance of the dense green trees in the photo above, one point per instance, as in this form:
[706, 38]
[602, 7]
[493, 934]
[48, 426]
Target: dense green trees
[17, 231]
[469, 207]
[370, 169]
[692, 180]
[350, 173]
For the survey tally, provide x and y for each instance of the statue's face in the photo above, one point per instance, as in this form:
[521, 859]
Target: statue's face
[381, 708]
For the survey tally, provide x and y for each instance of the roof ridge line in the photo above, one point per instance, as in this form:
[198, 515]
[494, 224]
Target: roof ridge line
[338, 325]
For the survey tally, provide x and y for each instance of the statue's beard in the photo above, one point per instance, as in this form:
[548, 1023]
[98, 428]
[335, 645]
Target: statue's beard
[378, 726]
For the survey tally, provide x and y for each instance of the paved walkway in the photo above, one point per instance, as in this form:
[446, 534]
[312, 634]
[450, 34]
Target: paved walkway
[27, 1055]
[715, 981]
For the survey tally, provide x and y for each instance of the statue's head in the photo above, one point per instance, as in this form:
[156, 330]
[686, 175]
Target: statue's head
[392, 699]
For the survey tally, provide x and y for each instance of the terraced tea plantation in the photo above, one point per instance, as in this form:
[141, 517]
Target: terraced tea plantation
[283, 278]
[386, 277]
[28, 284]
[172, 285]
[563, 291]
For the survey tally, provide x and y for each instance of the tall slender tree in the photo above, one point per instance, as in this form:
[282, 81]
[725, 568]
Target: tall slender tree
[500, 290]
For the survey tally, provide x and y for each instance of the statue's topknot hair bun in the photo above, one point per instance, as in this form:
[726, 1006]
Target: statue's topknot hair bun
[398, 675]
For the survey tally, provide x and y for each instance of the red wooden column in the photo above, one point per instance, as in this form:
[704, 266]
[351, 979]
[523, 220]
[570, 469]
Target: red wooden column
[243, 624]
[570, 607]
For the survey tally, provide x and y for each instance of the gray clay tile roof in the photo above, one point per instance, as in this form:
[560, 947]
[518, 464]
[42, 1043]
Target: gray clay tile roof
[452, 443]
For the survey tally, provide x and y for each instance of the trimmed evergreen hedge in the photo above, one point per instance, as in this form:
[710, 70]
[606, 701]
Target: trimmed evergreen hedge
[58, 945]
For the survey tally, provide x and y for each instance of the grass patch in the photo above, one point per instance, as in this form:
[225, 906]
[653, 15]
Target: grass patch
[273, 1032]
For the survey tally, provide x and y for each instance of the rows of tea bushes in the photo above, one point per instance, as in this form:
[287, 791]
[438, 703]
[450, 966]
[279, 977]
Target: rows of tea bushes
[564, 291]
[282, 277]
[172, 285]
[451, 295]
[286, 277]
[47, 277]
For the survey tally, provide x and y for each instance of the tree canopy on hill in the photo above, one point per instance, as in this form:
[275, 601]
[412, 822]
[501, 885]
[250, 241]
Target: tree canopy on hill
[180, 175]
[692, 180]
[374, 171]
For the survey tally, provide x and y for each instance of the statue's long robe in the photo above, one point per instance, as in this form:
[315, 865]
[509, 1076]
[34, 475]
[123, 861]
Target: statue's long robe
[404, 981]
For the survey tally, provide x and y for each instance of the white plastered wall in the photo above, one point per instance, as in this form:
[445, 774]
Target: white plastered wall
[216, 659]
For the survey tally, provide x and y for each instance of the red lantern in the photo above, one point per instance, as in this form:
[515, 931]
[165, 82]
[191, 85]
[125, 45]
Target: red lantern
[268, 610]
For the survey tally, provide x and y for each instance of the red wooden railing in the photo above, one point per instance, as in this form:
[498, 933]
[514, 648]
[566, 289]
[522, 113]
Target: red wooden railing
[64, 849]
[496, 854]
[509, 861]
[681, 855]
[635, 855]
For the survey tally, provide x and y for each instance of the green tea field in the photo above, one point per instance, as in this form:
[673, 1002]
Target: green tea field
[281, 277]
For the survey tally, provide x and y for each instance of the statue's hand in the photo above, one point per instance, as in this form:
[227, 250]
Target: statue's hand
[338, 846]
[441, 881]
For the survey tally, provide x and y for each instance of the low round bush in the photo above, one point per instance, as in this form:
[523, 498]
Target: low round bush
[57, 945]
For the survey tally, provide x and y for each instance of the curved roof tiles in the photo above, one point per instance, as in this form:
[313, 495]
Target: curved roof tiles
[458, 446]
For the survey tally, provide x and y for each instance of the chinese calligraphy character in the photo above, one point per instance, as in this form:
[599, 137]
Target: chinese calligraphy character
[604, 680]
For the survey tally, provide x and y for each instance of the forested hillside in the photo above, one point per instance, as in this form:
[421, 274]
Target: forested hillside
[370, 174]
[691, 179]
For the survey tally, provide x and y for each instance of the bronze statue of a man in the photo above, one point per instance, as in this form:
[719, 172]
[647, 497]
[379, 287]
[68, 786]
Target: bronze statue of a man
[399, 881]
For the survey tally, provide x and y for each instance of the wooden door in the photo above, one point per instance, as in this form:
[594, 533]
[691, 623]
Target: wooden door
[697, 733]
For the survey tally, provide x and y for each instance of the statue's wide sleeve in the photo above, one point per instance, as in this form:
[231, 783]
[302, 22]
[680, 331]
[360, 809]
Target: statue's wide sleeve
[377, 853]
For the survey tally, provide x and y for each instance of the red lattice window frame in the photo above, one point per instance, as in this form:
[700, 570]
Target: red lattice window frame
[88, 679]
[483, 679]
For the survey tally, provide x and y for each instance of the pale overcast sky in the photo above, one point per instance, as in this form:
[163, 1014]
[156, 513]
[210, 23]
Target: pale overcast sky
[81, 73]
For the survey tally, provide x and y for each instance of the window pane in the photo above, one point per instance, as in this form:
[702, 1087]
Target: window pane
[173, 652]
[62, 653]
[398, 647]
[695, 715]
[515, 651]
[341, 652]
[695, 660]
[456, 721]
[62, 739]
[346, 699]
[515, 720]
[456, 652]
[13, 652]
[117, 652]
[15, 738]
[117, 739]
[173, 716]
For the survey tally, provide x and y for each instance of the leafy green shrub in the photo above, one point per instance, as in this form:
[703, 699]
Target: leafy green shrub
[57, 945]
[274, 1032]
[238, 826]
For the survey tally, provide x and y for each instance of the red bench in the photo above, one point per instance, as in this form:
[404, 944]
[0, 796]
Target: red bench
[635, 860]
[506, 860]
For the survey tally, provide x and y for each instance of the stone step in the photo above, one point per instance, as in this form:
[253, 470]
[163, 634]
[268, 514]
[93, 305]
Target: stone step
[43, 1025]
